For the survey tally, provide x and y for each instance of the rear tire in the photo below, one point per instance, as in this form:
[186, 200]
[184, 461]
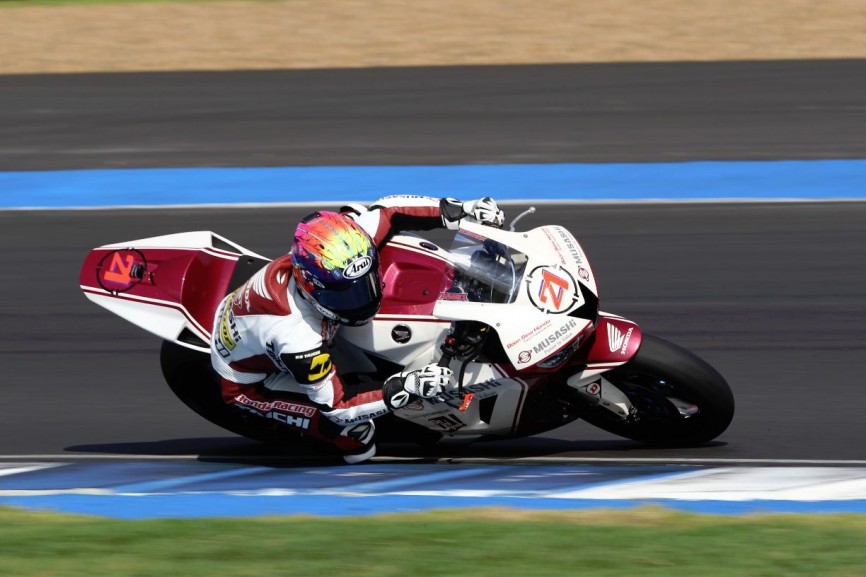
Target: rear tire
[190, 376]
[659, 372]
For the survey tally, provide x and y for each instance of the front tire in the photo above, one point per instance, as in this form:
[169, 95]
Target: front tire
[679, 399]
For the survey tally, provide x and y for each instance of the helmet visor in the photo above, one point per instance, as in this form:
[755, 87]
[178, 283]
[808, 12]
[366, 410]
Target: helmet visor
[357, 301]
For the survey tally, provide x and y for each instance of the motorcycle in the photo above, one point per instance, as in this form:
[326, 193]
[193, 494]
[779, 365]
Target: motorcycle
[514, 314]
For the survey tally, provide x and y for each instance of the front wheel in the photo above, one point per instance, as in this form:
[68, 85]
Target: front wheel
[678, 398]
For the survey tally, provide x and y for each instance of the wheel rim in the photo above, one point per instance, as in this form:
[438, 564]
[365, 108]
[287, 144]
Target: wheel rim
[655, 398]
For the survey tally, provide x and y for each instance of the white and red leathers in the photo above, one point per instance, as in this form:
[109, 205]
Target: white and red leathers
[270, 346]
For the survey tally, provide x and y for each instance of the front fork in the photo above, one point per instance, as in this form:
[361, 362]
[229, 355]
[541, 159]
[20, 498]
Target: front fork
[599, 392]
[613, 343]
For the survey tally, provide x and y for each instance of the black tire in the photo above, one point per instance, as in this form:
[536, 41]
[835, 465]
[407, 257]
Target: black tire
[190, 376]
[659, 370]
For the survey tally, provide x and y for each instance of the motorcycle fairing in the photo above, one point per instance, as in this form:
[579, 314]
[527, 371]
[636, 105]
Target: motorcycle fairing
[615, 341]
[168, 285]
[551, 300]
[495, 409]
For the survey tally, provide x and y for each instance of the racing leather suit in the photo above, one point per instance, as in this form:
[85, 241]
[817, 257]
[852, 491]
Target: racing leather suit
[270, 346]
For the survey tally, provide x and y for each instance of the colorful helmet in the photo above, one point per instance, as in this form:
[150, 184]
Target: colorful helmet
[336, 268]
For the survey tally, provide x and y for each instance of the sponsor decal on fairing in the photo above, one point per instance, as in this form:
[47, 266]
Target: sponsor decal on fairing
[552, 290]
[453, 296]
[564, 245]
[448, 423]
[530, 333]
[593, 389]
[561, 356]
[556, 337]
[480, 390]
[616, 340]
[415, 405]
[464, 235]
[401, 334]
[120, 270]
[570, 244]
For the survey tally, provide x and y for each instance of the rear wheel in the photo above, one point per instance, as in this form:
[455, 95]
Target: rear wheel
[679, 399]
[190, 376]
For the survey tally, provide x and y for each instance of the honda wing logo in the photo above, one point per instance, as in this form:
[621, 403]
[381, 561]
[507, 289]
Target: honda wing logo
[616, 340]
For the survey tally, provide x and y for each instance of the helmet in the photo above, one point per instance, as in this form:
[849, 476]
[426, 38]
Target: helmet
[336, 268]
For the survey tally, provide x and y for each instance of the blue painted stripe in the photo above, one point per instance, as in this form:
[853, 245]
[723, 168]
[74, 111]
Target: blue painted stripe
[417, 481]
[809, 179]
[187, 481]
[221, 505]
[191, 489]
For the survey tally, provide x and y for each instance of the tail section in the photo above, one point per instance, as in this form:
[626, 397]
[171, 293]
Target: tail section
[168, 285]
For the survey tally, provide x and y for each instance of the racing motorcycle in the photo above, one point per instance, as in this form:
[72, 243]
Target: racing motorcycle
[514, 314]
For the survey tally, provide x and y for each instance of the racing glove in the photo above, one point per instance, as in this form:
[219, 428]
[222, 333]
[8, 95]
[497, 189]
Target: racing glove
[428, 382]
[484, 210]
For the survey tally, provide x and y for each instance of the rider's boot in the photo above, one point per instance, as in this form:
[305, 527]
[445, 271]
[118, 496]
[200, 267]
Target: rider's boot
[356, 442]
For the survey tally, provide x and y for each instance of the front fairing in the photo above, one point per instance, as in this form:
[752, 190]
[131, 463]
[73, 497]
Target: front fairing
[535, 288]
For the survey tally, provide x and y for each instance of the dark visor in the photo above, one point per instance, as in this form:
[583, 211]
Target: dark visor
[358, 295]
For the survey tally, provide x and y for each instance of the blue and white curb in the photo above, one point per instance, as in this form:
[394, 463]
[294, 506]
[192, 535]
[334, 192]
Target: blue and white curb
[159, 489]
[564, 182]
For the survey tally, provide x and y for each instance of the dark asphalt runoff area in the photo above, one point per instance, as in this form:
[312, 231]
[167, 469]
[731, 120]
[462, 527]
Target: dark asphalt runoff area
[770, 293]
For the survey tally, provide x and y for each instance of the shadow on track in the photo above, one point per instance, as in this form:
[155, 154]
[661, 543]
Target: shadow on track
[240, 450]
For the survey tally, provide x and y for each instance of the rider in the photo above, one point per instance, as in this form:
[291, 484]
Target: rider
[271, 335]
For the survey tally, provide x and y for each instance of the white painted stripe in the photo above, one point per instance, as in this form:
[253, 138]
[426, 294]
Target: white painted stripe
[733, 484]
[529, 201]
[455, 460]
[738, 484]
[57, 492]
[18, 468]
[645, 460]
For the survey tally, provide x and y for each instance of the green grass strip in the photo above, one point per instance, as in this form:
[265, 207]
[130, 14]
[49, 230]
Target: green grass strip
[646, 542]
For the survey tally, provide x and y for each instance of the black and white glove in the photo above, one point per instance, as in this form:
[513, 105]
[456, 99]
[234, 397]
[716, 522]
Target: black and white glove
[428, 382]
[484, 210]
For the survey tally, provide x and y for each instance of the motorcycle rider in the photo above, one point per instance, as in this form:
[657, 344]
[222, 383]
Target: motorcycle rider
[271, 336]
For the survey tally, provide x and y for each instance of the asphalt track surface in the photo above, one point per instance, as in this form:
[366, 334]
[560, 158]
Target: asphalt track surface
[498, 114]
[770, 294]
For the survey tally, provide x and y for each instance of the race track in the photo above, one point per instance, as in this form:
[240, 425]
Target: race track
[770, 293]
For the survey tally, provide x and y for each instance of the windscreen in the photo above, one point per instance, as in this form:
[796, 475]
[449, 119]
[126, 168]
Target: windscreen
[486, 270]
